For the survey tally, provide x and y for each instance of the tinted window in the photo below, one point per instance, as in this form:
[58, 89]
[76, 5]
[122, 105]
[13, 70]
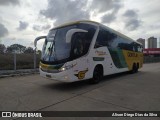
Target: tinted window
[79, 44]
[81, 41]
[104, 38]
[111, 40]
[87, 36]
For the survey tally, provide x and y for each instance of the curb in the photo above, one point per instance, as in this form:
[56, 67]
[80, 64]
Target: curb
[4, 75]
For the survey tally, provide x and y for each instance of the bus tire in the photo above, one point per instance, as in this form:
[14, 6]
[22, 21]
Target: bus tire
[134, 69]
[97, 74]
[137, 67]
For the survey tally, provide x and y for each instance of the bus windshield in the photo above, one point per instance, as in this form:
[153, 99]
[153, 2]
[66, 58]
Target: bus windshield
[57, 49]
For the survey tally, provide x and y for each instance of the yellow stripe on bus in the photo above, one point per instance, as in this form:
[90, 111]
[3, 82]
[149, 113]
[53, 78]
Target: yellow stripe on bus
[133, 57]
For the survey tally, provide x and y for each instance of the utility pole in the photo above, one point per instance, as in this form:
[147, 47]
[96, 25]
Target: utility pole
[15, 60]
[35, 58]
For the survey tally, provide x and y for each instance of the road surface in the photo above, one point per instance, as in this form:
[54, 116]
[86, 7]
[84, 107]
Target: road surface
[122, 92]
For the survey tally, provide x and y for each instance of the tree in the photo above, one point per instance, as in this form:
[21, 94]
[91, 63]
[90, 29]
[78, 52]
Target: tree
[29, 50]
[16, 48]
[2, 48]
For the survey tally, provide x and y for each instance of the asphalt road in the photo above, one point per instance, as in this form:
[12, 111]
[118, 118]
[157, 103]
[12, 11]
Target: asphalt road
[121, 92]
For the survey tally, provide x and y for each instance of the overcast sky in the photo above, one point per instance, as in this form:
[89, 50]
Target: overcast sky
[21, 21]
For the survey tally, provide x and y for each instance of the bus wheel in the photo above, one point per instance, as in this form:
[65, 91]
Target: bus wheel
[137, 67]
[97, 75]
[134, 69]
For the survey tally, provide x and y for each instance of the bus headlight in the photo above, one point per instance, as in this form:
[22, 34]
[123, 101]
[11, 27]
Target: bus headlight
[62, 69]
[66, 68]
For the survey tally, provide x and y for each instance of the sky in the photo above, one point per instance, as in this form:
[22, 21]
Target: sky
[21, 21]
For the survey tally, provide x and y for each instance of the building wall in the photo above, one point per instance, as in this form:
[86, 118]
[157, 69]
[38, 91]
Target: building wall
[142, 41]
[152, 42]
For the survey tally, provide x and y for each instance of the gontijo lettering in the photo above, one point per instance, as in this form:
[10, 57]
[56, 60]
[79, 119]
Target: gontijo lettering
[130, 54]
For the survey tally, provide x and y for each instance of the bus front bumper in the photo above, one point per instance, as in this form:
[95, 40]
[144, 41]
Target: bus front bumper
[60, 76]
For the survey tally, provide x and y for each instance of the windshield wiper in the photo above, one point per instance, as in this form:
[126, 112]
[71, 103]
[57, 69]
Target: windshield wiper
[55, 58]
[53, 51]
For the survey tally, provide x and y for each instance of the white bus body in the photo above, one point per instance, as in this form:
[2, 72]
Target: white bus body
[103, 58]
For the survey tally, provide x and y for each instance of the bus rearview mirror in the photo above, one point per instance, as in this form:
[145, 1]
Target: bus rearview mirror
[38, 38]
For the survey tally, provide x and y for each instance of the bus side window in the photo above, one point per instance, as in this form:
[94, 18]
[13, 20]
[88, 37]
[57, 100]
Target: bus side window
[140, 49]
[98, 40]
[101, 39]
[136, 47]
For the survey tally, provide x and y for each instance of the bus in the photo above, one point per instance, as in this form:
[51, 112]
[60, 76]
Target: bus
[87, 50]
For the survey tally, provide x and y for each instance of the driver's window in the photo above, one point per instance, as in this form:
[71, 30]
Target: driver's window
[78, 44]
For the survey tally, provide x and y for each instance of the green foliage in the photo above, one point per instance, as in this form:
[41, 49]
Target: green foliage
[29, 50]
[24, 57]
[16, 48]
[2, 48]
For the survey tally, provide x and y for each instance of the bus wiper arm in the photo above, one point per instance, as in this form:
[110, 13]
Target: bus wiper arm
[54, 50]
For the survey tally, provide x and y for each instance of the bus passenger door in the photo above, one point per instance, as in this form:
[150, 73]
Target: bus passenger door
[102, 56]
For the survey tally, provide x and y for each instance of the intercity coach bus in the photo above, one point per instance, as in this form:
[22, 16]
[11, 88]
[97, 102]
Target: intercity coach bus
[87, 50]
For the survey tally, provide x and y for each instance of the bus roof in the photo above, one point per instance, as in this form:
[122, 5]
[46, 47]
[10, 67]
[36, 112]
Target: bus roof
[76, 22]
[98, 24]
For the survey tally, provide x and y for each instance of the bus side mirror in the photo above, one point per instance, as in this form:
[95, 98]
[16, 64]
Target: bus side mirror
[71, 32]
[38, 38]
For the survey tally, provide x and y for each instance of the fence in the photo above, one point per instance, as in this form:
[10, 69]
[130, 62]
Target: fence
[10, 61]
[149, 59]
[31, 61]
